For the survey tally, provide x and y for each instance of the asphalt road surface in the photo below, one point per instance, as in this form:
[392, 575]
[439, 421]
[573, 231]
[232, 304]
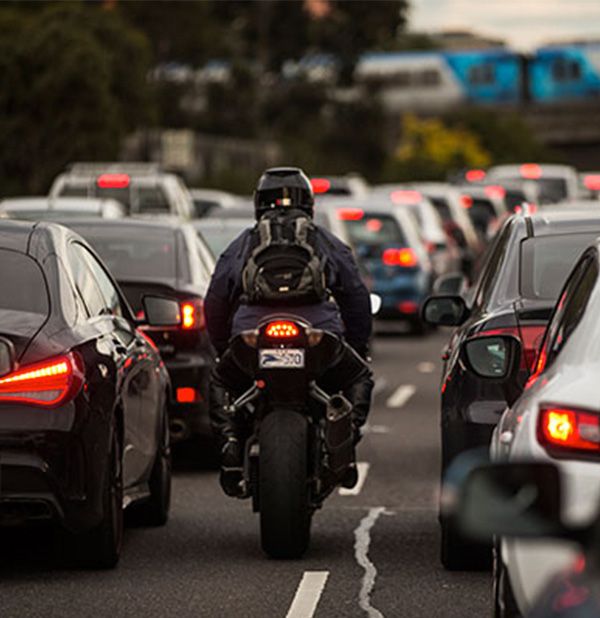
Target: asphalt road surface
[373, 553]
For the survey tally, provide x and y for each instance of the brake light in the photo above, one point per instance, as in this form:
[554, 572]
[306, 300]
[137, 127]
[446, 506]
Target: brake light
[350, 214]
[466, 201]
[475, 175]
[406, 197]
[282, 330]
[408, 306]
[565, 428]
[374, 225]
[531, 171]
[406, 258]
[495, 192]
[46, 384]
[592, 182]
[192, 315]
[320, 185]
[186, 394]
[113, 181]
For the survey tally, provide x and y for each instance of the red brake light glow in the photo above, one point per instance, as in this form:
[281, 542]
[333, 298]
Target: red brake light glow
[592, 182]
[113, 181]
[47, 384]
[466, 201]
[282, 330]
[495, 192]
[475, 175]
[531, 171]
[350, 214]
[192, 315]
[400, 257]
[320, 185]
[406, 197]
[186, 394]
[565, 428]
[374, 225]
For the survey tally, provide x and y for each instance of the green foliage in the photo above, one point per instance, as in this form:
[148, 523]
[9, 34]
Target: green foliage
[73, 83]
[429, 149]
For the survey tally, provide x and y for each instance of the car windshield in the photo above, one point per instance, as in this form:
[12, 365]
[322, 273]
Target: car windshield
[20, 274]
[547, 261]
[131, 254]
[219, 236]
[374, 232]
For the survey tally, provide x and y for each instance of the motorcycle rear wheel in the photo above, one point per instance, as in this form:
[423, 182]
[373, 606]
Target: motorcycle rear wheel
[285, 513]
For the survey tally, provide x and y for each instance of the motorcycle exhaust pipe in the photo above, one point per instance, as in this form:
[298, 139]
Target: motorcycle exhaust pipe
[338, 434]
[178, 430]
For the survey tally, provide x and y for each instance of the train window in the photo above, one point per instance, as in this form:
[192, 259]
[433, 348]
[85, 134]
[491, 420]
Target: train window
[482, 74]
[566, 70]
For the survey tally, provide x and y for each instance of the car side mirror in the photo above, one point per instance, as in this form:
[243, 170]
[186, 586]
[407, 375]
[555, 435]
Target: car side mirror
[7, 356]
[507, 499]
[454, 284]
[493, 357]
[161, 311]
[376, 303]
[445, 310]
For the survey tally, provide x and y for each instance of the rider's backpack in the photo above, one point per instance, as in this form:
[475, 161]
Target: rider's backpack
[284, 267]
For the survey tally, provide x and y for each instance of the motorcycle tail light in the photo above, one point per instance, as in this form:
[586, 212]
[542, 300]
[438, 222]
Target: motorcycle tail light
[569, 429]
[48, 384]
[282, 329]
[186, 394]
[192, 315]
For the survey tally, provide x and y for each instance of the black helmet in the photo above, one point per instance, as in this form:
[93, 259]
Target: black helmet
[283, 187]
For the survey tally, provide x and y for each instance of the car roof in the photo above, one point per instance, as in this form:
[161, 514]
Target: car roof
[15, 235]
[549, 222]
[167, 223]
[58, 203]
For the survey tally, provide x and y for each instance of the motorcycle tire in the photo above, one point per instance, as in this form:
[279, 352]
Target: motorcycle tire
[285, 513]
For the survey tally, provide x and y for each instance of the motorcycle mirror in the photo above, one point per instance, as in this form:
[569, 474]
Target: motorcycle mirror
[376, 303]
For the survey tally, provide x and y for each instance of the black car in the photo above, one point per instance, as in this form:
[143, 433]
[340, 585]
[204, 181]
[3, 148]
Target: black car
[526, 266]
[165, 258]
[83, 394]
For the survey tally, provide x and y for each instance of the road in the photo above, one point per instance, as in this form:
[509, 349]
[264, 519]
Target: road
[373, 554]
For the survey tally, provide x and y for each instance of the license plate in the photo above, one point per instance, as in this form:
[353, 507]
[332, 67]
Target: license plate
[281, 359]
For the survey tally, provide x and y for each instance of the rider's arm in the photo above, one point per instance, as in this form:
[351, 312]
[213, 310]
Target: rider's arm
[352, 297]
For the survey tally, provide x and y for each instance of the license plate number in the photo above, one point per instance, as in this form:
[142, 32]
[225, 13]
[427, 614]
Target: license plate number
[281, 359]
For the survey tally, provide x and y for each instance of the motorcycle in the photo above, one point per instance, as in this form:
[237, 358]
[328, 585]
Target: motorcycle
[299, 444]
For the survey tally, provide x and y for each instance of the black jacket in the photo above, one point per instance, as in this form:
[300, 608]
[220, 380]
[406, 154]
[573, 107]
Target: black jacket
[343, 279]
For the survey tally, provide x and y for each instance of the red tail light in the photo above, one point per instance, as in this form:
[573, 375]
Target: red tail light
[282, 330]
[113, 181]
[475, 175]
[350, 214]
[531, 337]
[320, 185]
[406, 197]
[531, 171]
[406, 258]
[466, 201]
[565, 428]
[192, 315]
[47, 384]
[495, 192]
[592, 182]
[186, 394]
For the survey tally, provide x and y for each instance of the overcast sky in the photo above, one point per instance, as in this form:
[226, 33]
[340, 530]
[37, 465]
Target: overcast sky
[524, 24]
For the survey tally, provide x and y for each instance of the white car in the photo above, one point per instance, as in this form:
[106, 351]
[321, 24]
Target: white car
[49, 209]
[557, 419]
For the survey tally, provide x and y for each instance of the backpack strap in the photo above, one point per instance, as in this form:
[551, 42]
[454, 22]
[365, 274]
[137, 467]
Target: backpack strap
[302, 228]
[264, 231]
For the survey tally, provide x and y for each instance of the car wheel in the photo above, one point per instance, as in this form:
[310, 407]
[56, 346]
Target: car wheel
[100, 547]
[505, 605]
[154, 510]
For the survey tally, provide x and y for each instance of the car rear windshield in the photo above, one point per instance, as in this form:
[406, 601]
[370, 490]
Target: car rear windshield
[546, 262]
[550, 190]
[374, 232]
[20, 276]
[50, 214]
[134, 253]
[442, 206]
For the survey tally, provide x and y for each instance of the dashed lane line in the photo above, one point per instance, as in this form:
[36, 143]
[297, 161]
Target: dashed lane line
[308, 594]
[401, 396]
[362, 536]
[363, 469]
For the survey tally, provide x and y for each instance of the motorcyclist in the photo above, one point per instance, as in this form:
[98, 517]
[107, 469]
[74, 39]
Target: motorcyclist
[346, 312]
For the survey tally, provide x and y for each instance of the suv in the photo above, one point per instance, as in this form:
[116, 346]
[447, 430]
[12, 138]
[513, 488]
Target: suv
[526, 267]
[143, 188]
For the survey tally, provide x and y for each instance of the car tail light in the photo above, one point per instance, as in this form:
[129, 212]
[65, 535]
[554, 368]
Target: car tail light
[531, 171]
[320, 185]
[187, 394]
[406, 197]
[531, 337]
[475, 175]
[495, 192]
[192, 315]
[113, 181]
[350, 214]
[374, 225]
[406, 257]
[569, 429]
[592, 182]
[466, 201]
[47, 384]
[408, 306]
[282, 329]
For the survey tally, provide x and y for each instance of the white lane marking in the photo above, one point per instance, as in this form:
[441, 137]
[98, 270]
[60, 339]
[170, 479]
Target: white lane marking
[363, 470]
[426, 367]
[308, 594]
[401, 395]
[362, 536]
[377, 429]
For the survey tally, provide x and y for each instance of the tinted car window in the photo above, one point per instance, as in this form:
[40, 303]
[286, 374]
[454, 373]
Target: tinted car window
[442, 206]
[131, 253]
[86, 283]
[372, 232]
[108, 290]
[550, 189]
[20, 275]
[493, 264]
[546, 261]
[73, 190]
